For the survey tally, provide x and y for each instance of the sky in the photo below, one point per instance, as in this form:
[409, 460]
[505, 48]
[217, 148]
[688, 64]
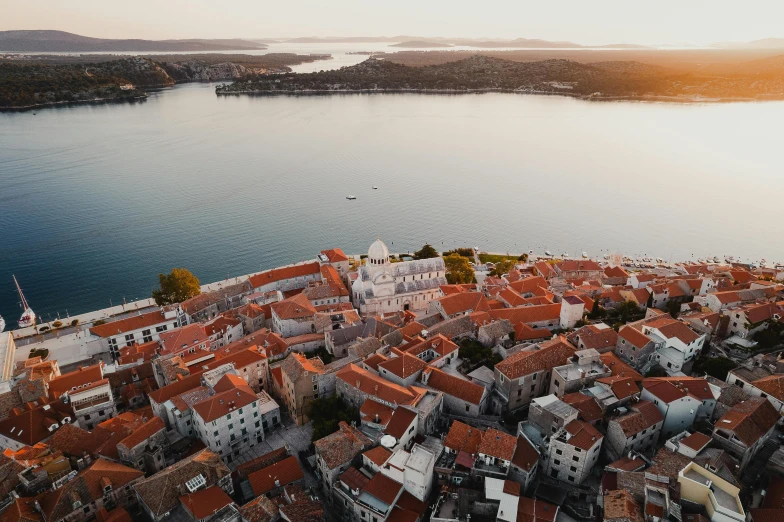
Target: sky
[588, 22]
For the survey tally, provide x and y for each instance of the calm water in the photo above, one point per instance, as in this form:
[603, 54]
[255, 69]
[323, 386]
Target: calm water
[95, 201]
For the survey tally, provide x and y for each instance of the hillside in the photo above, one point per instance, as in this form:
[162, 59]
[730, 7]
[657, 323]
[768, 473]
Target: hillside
[419, 44]
[60, 41]
[45, 79]
[479, 73]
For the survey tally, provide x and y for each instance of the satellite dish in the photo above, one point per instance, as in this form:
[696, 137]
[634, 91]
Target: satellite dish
[388, 441]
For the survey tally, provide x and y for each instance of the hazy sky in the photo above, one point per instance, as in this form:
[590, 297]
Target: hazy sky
[581, 21]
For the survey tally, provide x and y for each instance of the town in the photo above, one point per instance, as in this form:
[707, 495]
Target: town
[442, 386]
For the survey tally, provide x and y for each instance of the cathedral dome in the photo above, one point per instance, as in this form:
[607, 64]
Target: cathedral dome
[378, 253]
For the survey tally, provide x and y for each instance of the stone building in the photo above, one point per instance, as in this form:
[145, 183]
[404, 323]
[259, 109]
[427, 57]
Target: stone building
[384, 287]
[636, 431]
[573, 452]
[143, 449]
[335, 452]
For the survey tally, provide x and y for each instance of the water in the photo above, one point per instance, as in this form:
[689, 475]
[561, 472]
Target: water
[95, 201]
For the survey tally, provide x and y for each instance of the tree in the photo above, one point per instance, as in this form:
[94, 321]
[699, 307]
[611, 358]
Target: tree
[176, 287]
[674, 307]
[717, 367]
[626, 311]
[656, 371]
[327, 413]
[427, 252]
[502, 267]
[458, 270]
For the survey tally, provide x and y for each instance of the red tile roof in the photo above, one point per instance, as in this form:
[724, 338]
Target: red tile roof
[622, 387]
[283, 273]
[455, 386]
[400, 422]
[462, 437]
[375, 412]
[144, 432]
[383, 488]
[773, 385]
[551, 354]
[619, 368]
[583, 434]
[750, 420]
[403, 367]
[525, 456]
[130, 324]
[498, 444]
[530, 510]
[378, 455]
[76, 379]
[663, 390]
[696, 441]
[633, 336]
[376, 386]
[205, 502]
[295, 307]
[647, 415]
[353, 478]
[342, 446]
[279, 474]
[620, 505]
[231, 396]
[589, 410]
[335, 255]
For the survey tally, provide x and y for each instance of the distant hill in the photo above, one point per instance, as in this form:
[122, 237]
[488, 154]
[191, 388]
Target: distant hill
[765, 43]
[60, 41]
[420, 44]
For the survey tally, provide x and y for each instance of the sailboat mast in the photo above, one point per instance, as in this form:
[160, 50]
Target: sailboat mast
[25, 306]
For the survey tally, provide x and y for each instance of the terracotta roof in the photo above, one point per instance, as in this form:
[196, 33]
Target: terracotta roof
[378, 455]
[129, 324]
[76, 379]
[647, 415]
[588, 408]
[30, 426]
[750, 420]
[619, 368]
[696, 441]
[353, 478]
[463, 302]
[374, 385]
[374, 360]
[583, 435]
[498, 444]
[525, 455]
[529, 314]
[383, 488]
[455, 386]
[671, 328]
[87, 487]
[620, 505]
[190, 382]
[145, 431]
[335, 255]
[284, 472]
[667, 463]
[375, 412]
[551, 354]
[283, 273]
[400, 422]
[622, 387]
[697, 387]
[205, 502]
[530, 510]
[296, 307]
[627, 463]
[633, 336]
[266, 460]
[404, 366]
[21, 510]
[511, 488]
[615, 271]
[340, 447]
[277, 374]
[772, 385]
[160, 492]
[231, 396]
[663, 390]
[593, 337]
[462, 437]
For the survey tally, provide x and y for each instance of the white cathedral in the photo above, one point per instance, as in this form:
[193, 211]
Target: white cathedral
[383, 287]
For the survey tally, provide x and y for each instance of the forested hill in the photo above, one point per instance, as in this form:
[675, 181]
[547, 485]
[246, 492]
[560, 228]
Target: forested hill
[483, 73]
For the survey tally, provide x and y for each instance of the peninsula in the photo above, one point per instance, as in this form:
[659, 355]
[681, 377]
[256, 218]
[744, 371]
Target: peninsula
[480, 73]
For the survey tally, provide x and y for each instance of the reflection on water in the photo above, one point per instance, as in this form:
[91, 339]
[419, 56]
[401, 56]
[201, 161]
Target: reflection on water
[95, 201]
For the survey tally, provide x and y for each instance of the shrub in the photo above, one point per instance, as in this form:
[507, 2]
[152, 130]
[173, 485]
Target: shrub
[75, 322]
[99, 322]
[43, 329]
[57, 324]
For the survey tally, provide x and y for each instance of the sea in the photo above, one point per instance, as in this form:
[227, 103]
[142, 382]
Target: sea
[97, 200]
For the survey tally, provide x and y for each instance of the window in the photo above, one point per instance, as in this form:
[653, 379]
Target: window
[556, 462]
[573, 468]
[240, 411]
[571, 479]
[533, 387]
[576, 458]
[468, 408]
[558, 452]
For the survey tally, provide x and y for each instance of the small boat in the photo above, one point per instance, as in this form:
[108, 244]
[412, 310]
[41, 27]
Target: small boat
[2, 323]
[548, 253]
[606, 256]
[375, 187]
[351, 197]
[585, 256]
[28, 316]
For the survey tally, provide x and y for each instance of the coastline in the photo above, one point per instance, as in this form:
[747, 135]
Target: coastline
[589, 97]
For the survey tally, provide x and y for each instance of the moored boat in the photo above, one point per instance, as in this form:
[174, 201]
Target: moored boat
[28, 316]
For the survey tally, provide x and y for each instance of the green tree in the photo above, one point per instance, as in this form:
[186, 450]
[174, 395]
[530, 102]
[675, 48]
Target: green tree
[674, 307]
[502, 267]
[458, 270]
[626, 311]
[176, 287]
[717, 367]
[327, 413]
[427, 252]
[656, 371]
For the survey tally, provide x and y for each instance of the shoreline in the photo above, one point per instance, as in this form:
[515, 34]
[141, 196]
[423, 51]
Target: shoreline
[489, 90]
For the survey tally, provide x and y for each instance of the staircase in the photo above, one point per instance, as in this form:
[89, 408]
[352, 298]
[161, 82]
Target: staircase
[757, 465]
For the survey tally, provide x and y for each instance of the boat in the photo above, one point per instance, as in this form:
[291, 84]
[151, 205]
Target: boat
[548, 253]
[375, 187]
[585, 256]
[28, 316]
[2, 323]
[351, 197]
